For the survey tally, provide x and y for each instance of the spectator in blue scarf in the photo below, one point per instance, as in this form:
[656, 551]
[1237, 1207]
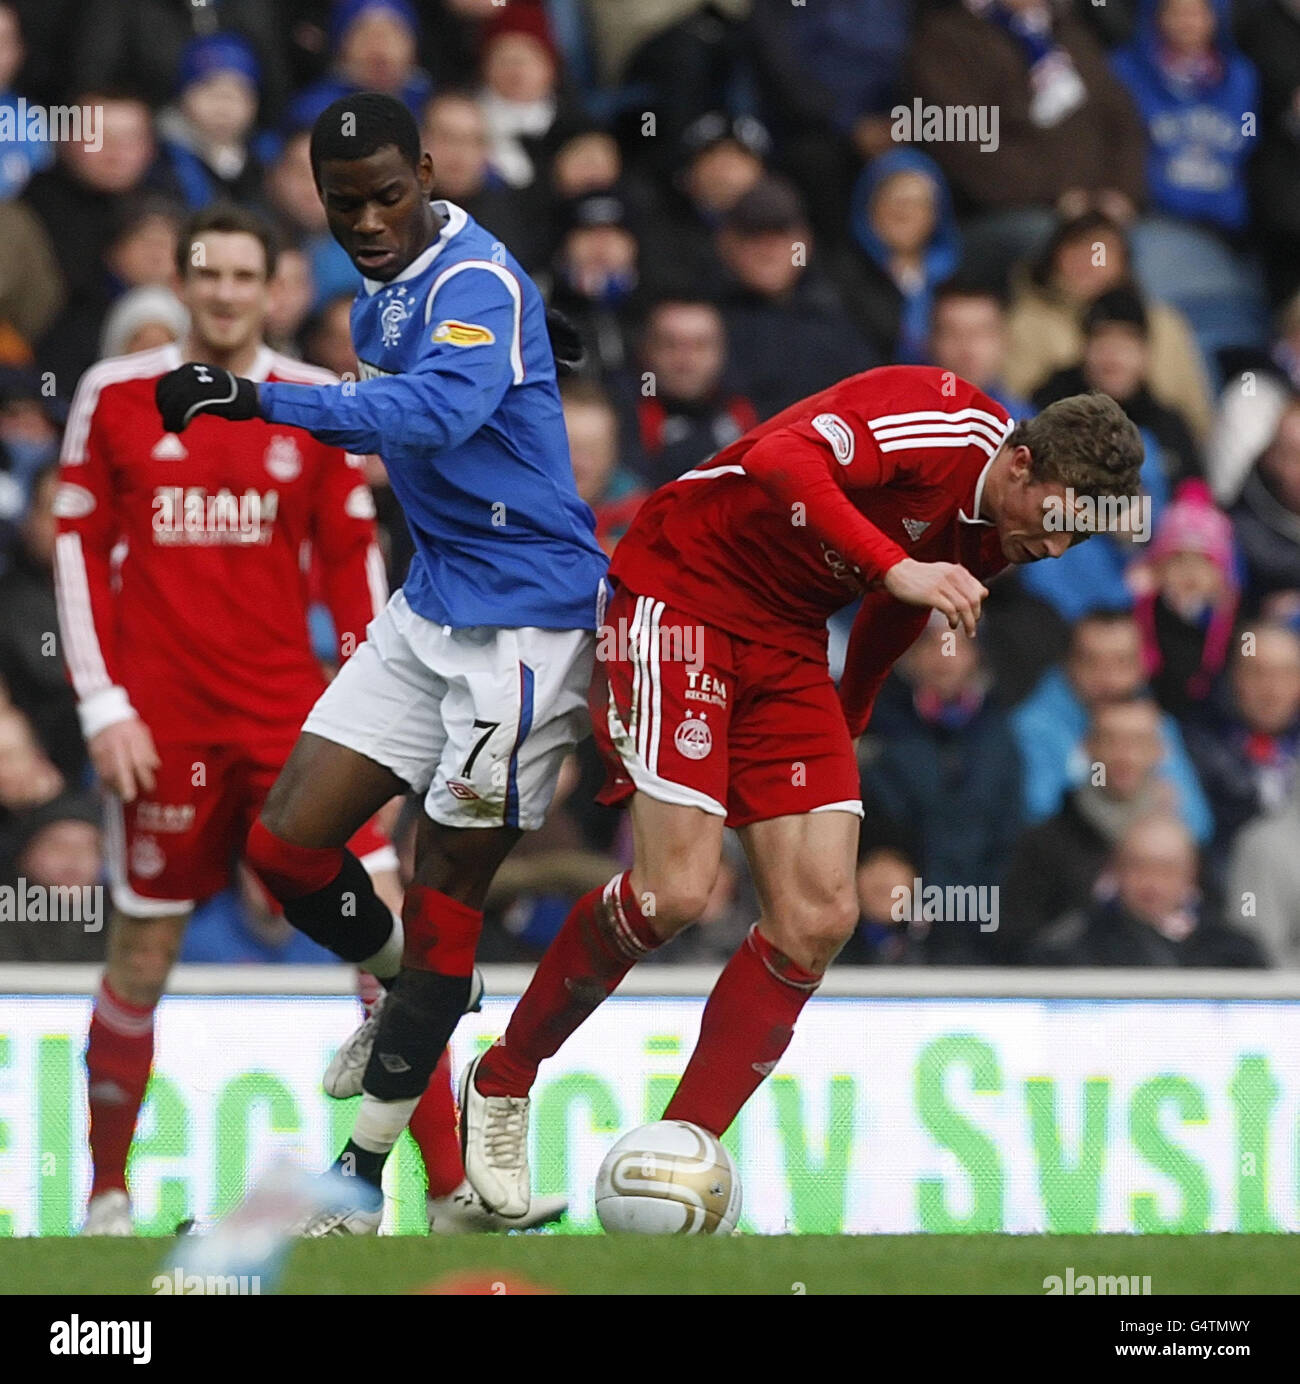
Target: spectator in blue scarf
[1193, 89]
[903, 220]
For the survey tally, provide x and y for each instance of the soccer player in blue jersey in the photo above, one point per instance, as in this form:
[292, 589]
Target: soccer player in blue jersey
[471, 686]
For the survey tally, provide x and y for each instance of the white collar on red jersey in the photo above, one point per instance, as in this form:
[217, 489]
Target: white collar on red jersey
[259, 372]
[453, 222]
[979, 495]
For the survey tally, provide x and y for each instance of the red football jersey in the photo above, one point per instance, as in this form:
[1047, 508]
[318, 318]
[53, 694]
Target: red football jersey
[807, 511]
[182, 562]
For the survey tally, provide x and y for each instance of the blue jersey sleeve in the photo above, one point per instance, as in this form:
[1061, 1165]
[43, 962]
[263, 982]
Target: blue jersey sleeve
[470, 353]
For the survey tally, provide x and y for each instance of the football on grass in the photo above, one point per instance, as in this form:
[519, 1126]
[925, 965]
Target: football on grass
[669, 1178]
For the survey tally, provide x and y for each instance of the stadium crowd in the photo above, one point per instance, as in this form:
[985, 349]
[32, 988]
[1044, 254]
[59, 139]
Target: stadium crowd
[738, 202]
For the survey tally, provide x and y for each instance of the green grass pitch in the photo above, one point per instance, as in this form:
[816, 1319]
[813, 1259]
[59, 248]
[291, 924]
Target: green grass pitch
[812, 1264]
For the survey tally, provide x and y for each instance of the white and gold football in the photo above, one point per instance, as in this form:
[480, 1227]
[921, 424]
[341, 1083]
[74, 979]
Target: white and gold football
[669, 1178]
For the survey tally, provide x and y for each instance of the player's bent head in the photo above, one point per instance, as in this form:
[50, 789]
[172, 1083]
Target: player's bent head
[1086, 443]
[374, 181]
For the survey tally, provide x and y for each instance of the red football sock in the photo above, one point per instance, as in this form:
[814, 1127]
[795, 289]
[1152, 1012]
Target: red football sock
[441, 933]
[748, 1023]
[433, 1127]
[600, 941]
[119, 1054]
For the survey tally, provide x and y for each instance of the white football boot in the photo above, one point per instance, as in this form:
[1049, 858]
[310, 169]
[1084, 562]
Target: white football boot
[462, 1212]
[347, 1068]
[108, 1214]
[341, 1221]
[494, 1144]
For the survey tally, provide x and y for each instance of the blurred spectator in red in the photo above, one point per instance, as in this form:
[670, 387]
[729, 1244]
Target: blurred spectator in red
[903, 224]
[1157, 916]
[1246, 744]
[374, 47]
[610, 489]
[1270, 37]
[1067, 130]
[141, 319]
[1117, 361]
[58, 845]
[788, 332]
[204, 138]
[1187, 599]
[31, 655]
[1267, 516]
[520, 95]
[454, 133]
[1086, 257]
[684, 411]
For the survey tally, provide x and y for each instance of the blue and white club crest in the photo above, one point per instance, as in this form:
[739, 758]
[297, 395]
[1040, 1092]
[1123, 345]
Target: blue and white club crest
[394, 314]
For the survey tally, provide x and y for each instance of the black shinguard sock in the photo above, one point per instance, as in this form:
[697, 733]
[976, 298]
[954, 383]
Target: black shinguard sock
[347, 916]
[419, 1018]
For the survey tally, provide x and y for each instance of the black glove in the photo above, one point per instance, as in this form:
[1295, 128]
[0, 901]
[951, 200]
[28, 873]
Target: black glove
[195, 389]
[566, 345]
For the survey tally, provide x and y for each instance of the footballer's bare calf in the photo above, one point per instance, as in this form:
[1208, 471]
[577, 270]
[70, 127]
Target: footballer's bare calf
[802, 867]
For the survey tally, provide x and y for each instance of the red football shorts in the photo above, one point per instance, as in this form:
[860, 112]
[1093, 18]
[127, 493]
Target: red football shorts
[689, 714]
[181, 843]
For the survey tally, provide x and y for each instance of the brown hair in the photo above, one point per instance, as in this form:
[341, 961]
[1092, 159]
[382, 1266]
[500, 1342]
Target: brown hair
[227, 219]
[1086, 442]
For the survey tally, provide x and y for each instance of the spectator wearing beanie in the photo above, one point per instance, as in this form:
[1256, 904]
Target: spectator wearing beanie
[374, 45]
[141, 319]
[1188, 600]
[1117, 361]
[204, 138]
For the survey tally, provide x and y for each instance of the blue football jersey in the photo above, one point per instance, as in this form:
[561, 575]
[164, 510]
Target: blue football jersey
[458, 396]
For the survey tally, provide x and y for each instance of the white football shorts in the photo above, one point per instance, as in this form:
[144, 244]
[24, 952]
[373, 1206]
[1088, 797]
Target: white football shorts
[478, 719]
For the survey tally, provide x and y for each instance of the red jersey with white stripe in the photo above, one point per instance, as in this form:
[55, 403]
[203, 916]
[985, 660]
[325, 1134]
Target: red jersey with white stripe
[807, 512]
[182, 562]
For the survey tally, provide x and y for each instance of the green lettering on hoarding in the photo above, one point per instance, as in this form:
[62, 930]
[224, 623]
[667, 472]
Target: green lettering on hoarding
[817, 1187]
[659, 1086]
[1071, 1195]
[1254, 1093]
[6, 1217]
[552, 1145]
[162, 1131]
[1150, 1140]
[54, 1086]
[974, 1150]
[240, 1097]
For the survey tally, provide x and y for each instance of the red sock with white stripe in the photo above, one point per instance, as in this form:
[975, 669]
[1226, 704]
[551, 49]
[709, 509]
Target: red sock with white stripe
[433, 1127]
[600, 941]
[748, 1023]
[119, 1054]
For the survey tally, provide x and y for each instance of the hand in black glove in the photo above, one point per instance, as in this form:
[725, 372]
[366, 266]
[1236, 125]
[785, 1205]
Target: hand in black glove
[195, 389]
[566, 345]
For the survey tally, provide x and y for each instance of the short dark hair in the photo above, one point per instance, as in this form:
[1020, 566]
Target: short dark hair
[376, 122]
[227, 219]
[967, 288]
[1120, 307]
